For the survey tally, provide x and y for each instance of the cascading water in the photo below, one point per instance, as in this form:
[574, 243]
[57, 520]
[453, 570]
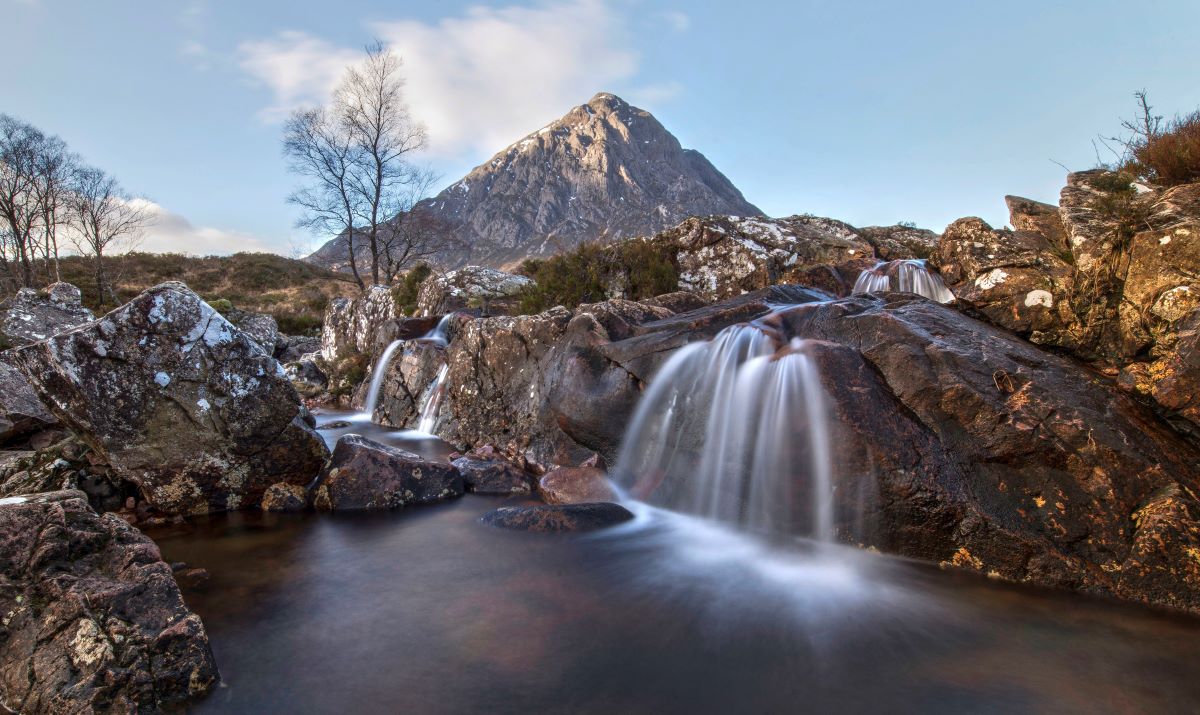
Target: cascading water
[439, 335]
[735, 429]
[431, 401]
[910, 276]
[377, 374]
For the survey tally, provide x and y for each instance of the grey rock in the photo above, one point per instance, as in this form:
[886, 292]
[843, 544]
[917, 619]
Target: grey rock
[36, 315]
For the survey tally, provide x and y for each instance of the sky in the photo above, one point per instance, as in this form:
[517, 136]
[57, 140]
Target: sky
[870, 111]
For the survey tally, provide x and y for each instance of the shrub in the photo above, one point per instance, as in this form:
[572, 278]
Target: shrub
[592, 272]
[1172, 156]
[405, 292]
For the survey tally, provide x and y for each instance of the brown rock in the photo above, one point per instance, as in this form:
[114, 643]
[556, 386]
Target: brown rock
[285, 497]
[493, 476]
[558, 519]
[363, 474]
[94, 621]
[576, 485]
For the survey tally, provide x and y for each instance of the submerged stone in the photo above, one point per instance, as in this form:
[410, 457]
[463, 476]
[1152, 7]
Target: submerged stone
[364, 474]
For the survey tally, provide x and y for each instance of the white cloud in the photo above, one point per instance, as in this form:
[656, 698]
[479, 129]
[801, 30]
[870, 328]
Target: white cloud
[168, 232]
[677, 21]
[478, 81]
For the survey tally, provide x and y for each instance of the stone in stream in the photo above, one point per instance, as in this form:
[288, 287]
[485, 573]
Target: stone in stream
[498, 477]
[93, 619]
[363, 474]
[576, 485]
[36, 315]
[178, 402]
[557, 519]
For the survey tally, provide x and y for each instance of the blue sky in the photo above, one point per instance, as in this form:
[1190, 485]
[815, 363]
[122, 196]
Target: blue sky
[870, 112]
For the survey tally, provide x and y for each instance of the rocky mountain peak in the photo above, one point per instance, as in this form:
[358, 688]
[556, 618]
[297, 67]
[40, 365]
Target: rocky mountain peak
[604, 170]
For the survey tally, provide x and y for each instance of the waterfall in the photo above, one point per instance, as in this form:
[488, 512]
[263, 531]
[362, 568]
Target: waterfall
[431, 401]
[910, 276]
[439, 336]
[377, 374]
[735, 429]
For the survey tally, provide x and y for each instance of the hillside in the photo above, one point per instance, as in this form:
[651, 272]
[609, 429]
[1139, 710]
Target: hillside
[293, 291]
[605, 170]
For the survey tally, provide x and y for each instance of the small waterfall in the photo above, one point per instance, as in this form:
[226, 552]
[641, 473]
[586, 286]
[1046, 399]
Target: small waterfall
[377, 374]
[735, 429]
[431, 401]
[439, 335]
[909, 276]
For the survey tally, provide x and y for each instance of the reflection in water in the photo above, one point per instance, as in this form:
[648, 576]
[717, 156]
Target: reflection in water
[426, 610]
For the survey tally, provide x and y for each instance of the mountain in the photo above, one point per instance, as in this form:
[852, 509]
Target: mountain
[606, 169]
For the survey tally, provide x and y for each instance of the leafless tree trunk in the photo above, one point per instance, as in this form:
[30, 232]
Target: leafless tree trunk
[104, 218]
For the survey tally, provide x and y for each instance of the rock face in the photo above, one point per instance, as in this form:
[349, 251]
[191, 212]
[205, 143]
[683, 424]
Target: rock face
[93, 620]
[363, 474]
[605, 169]
[982, 451]
[1110, 275]
[178, 402]
[488, 289]
[558, 519]
[358, 324]
[36, 315]
[21, 412]
[724, 256]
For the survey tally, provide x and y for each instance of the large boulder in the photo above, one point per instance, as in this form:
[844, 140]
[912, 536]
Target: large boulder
[724, 256]
[475, 287]
[1016, 279]
[358, 325]
[969, 446]
[364, 474]
[92, 618]
[259, 327]
[178, 402]
[36, 315]
[21, 412]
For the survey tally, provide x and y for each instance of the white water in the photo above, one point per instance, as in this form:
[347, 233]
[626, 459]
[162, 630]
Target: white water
[909, 276]
[431, 401]
[735, 430]
[377, 374]
[438, 335]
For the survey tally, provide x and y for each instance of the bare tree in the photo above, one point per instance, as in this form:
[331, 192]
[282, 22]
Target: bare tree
[57, 171]
[104, 218]
[19, 210]
[358, 156]
[318, 148]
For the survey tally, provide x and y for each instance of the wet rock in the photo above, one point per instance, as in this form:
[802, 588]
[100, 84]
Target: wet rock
[285, 497]
[558, 519]
[93, 620]
[409, 375]
[493, 476]
[680, 301]
[178, 402]
[576, 485]
[192, 578]
[336, 424]
[363, 474]
[490, 290]
[980, 450]
[21, 412]
[36, 315]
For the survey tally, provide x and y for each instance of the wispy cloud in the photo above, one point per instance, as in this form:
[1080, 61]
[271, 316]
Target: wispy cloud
[168, 232]
[676, 20]
[479, 80]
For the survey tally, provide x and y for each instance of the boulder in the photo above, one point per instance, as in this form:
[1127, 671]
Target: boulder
[259, 327]
[558, 519]
[36, 315]
[1036, 217]
[93, 619]
[285, 497]
[178, 402]
[1016, 279]
[291, 348]
[724, 256]
[358, 325]
[363, 474]
[498, 477]
[306, 376]
[576, 485]
[894, 243]
[968, 446]
[488, 289]
[21, 412]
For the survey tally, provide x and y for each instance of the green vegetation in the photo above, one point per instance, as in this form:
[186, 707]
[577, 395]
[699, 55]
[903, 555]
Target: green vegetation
[592, 272]
[405, 292]
[295, 293]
